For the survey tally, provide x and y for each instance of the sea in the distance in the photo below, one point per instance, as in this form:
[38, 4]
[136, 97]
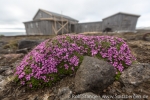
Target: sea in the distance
[12, 33]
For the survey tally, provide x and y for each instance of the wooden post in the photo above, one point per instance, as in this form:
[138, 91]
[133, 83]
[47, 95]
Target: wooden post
[55, 25]
[67, 27]
[62, 24]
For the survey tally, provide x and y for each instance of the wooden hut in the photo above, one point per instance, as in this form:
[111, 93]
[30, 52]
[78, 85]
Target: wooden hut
[46, 23]
[122, 22]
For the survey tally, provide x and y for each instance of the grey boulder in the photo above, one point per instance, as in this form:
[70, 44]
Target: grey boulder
[93, 75]
[136, 79]
[28, 43]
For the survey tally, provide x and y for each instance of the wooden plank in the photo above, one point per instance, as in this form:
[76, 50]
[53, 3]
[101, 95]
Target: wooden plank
[54, 29]
[55, 22]
[62, 27]
[67, 29]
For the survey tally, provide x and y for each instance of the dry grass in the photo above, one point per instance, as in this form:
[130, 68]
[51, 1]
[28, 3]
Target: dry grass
[12, 44]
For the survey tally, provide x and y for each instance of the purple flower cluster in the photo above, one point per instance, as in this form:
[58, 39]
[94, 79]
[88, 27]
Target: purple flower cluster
[66, 52]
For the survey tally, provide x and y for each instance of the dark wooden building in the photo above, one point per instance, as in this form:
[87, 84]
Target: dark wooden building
[46, 23]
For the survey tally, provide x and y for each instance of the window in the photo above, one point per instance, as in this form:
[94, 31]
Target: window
[37, 25]
[31, 25]
[126, 18]
[40, 14]
[26, 25]
[85, 26]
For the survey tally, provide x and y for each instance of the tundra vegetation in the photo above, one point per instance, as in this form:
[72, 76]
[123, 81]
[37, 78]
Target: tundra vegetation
[62, 55]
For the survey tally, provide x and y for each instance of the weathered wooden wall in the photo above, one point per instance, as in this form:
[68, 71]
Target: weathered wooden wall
[44, 27]
[120, 22]
[111, 22]
[39, 28]
[128, 23]
[88, 27]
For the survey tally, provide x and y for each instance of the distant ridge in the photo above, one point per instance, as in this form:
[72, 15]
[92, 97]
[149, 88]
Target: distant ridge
[143, 28]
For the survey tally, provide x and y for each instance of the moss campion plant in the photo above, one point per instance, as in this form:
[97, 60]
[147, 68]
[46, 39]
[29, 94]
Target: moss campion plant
[62, 55]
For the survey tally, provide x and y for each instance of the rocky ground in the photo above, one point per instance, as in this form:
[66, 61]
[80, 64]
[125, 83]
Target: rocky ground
[13, 49]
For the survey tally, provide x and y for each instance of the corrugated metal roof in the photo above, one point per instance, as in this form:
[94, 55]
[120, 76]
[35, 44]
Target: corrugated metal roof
[60, 15]
[123, 13]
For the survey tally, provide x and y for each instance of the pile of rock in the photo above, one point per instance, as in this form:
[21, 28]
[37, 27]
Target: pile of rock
[146, 37]
[94, 80]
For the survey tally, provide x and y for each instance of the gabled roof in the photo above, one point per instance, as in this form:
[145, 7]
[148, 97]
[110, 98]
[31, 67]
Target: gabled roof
[122, 13]
[55, 14]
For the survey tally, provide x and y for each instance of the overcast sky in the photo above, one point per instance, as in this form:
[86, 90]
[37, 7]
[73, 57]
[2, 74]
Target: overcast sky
[14, 12]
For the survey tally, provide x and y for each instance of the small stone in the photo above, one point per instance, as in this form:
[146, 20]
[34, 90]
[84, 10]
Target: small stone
[6, 99]
[1, 95]
[104, 90]
[51, 98]
[1, 71]
[109, 88]
[116, 84]
[3, 82]
[8, 71]
[146, 37]
[23, 90]
[64, 93]
[1, 77]
[24, 51]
